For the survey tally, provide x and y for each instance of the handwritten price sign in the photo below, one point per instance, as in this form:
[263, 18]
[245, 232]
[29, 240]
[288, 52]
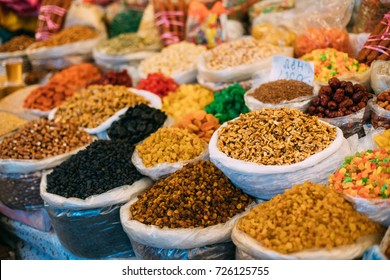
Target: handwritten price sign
[287, 68]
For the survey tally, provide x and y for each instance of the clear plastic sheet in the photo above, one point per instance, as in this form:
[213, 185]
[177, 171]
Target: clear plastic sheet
[351, 124]
[21, 190]
[222, 251]
[380, 117]
[380, 80]
[92, 233]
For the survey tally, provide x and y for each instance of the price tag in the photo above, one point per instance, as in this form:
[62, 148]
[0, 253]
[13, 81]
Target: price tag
[287, 68]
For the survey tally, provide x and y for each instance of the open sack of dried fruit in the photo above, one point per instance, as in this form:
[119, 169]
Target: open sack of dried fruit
[237, 60]
[280, 93]
[70, 46]
[364, 179]
[98, 106]
[188, 215]
[305, 222]
[83, 197]
[168, 150]
[37, 146]
[264, 152]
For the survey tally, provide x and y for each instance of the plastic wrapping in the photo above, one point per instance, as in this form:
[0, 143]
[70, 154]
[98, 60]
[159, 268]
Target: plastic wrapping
[250, 249]
[237, 73]
[116, 61]
[247, 84]
[380, 117]
[92, 233]
[356, 42]
[154, 100]
[159, 171]
[317, 14]
[21, 190]
[351, 124]
[377, 210]
[364, 143]
[221, 251]
[199, 243]
[369, 14]
[266, 181]
[378, 252]
[380, 82]
[37, 218]
[320, 38]
[278, 35]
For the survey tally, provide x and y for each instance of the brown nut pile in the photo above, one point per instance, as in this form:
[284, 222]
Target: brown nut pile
[338, 99]
[378, 119]
[95, 104]
[201, 124]
[41, 139]
[18, 43]
[275, 137]
[198, 195]
[384, 100]
[281, 90]
[309, 216]
[69, 35]
[9, 122]
[238, 52]
[168, 145]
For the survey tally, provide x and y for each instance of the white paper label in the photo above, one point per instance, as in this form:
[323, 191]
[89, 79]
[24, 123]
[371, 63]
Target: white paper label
[287, 68]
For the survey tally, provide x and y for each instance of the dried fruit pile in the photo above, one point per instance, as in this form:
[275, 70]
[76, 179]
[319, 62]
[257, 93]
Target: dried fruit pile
[309, 216]
[198, 195]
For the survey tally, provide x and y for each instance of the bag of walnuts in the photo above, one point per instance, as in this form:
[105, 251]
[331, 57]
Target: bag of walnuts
[306, 222]
[188, 215]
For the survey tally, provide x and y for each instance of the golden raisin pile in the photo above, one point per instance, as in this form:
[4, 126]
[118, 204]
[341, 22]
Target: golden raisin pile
[305, 217]
[198, 195]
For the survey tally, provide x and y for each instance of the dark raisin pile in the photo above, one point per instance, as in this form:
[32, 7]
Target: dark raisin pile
[137, 124]
[103, 166]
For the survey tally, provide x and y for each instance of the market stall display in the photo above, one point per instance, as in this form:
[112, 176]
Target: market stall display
[37, 146]
[364, 178]
[167, 150]
[265, 151]
[200, 123]
[280, 93]
[60, 87]
[186, 99]
[87, 203]
[190, 226]
[177, 61]
[137, 124]
[228, 103]
[306, 222]
[19, 43]
[115, 78]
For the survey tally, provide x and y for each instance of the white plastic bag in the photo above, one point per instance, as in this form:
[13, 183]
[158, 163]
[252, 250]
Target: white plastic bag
[250, 249]
[237, 73]
[112, 197]
[27, 165]
[365, 143]
[180, 238]
[86, 15]
[356, 42]
[377, 210]
[159, 171]
[116, 61]
[154, 100]
[266, 181]
[379, 82]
